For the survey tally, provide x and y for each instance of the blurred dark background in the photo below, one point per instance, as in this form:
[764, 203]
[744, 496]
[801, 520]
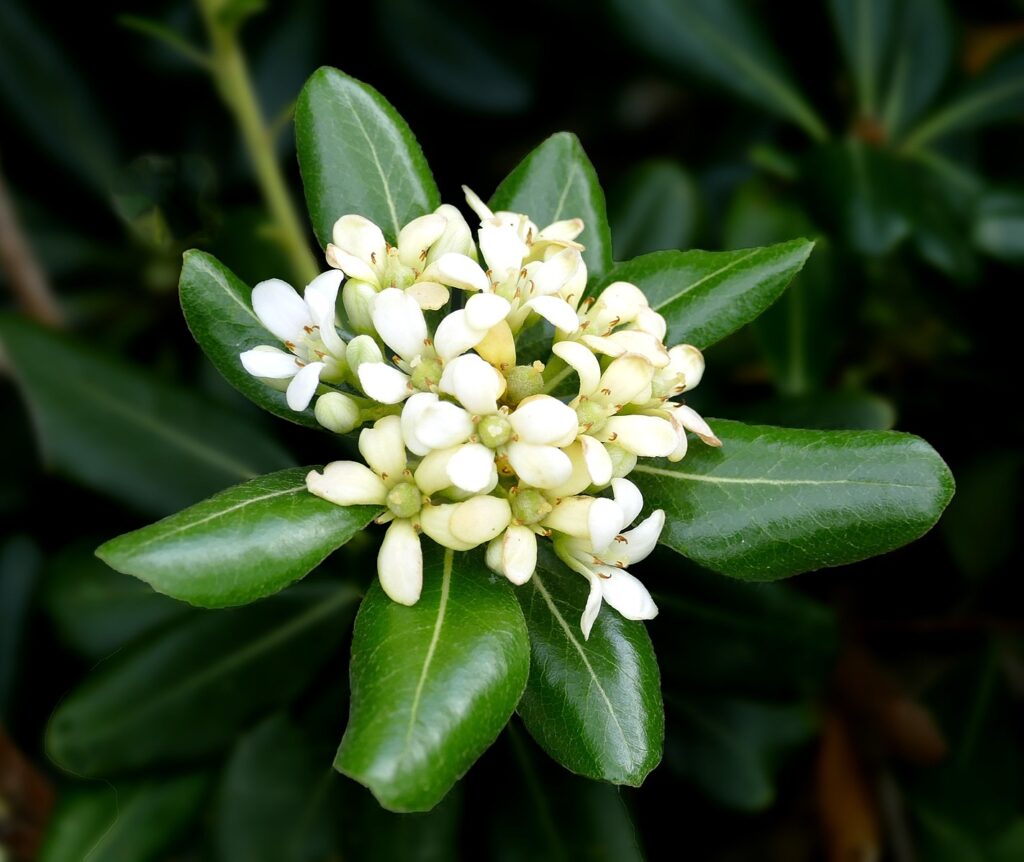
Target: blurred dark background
[870, 712]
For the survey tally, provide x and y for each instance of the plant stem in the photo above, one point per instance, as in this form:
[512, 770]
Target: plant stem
[231, 74]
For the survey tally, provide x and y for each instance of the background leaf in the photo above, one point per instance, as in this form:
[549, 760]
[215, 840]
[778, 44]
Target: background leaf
[240, 545]
[186, 691]
[654, 207]
[865, 28]
[432, 684]
[135, 820]
[594, 705]
[706, 295]
[357, 155]
[774, 502]
[19, 572]
[118, 429]
[557, 181]
[218, 309]
[718, 40]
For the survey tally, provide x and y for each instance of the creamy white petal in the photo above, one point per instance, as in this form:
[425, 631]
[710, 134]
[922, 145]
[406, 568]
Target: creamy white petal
[436, 523]
[418, 236]
[443, 424]
[597, 459]
[626, 594]
[625, 378]
[281, 310]
[646, 436]
[457, 235]
[604, 522]
[621, 300]
[593, 607]
[583, 361]
[432, 474]
[303, 386]
[475, 383]
[383, 448]
[360, 240]
[475, 204]
[429, 295]
[514, 554]
[412, 410]
[400, 563]
[635, 341]
[347, 483]
[498, 347]
[501, 247]
[270, 362]
[562, 231]
[649, 321]
[545, 421]
[484, 310]
[641, 540]
[579, 480]
[357, 298]
[472, 468]
[399, 321]
[455, 336]
[540, 466]
[571, 515]
[628, 498]
[693, 421]
[321, 294]
[556, 311]
[687, 360]
[551, 276]
[457, 270]
[682, 444]
[383, 382]
[480, 519]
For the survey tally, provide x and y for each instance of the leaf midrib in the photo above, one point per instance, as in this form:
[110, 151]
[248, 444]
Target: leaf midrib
[740, 480]
[691, 287]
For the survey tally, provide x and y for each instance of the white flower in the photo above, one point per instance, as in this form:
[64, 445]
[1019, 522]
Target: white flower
[584, 546]
[386, 482]
[306, 325]
[514, 554]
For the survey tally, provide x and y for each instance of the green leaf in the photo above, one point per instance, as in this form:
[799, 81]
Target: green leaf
[19, 571]
[218, 310]
[706, 295]
[774, 502]
[557, 181]
[240, 545]
[278, 799]
[718, 40]
[995, 95]
[187, 691]
[432, 684]
[655, 207]
[921, 59]
[137, 820]
[119, 430]
[594, 705]
[865, 28]
[96, 610]
[999, 226]
[732, 749]
[48, 97]
[357, 155]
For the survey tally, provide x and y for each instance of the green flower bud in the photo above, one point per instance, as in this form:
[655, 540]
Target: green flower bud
[337, 412]
[362, 349]
[357, 297]
[529, 506]
[523, 381]
[494, 431]
[623, 462]
[404, 500]
[591, 414]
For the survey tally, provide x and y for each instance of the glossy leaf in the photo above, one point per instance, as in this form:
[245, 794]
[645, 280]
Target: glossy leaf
[19, 572]
[706, 295]
[187, 691]
[997, 94]
[432, 684]
[122, 431]
[357, 155]
[718, 40]
[594, 705]
[731, 749]
[865, 28]
[278, 799]
[557, 181]
[774, 502]
[218, 309]
[96, 610]
[921, 59]
[999, 225]
[655, 207]
[136, 820]
[240, 545]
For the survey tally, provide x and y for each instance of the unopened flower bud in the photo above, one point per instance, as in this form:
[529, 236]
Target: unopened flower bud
[457, 236]
[362, 349]
[523, 381]
[357, 297]
[337, 412]
[529, 506]
[404, 500]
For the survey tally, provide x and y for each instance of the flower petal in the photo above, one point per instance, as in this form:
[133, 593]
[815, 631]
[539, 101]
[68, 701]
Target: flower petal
[484, 310]
[443, 424]
[514, 554]
[383, 448]
[539, 466]
[626, 594]
[480, 519]
[457, 270]
[269, 362]
[556, 311]
[472, 468]
[604, 522]
[641, 540]
[477, 205]
[501, 247]
[429, 295]
[552, 275]
[475, 383]
[545, 421]
[400, 563]
[359, 247]
[412, 411]
[693, 421]
[303, 386]
[597, 459]
[281, 310]
[383, 382]
[418, 236]
[322, 298]
[583, 361]
[455, 336]
[625, 378]
[399, 321]
[646, 436]
[347, 483]
[436, 523]
[593, 607]
[628, 498]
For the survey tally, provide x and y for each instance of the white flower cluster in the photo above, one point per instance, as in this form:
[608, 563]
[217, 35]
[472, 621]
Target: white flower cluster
[467, 446]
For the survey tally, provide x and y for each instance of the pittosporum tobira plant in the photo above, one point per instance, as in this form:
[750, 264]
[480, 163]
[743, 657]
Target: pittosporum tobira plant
[517, 399]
